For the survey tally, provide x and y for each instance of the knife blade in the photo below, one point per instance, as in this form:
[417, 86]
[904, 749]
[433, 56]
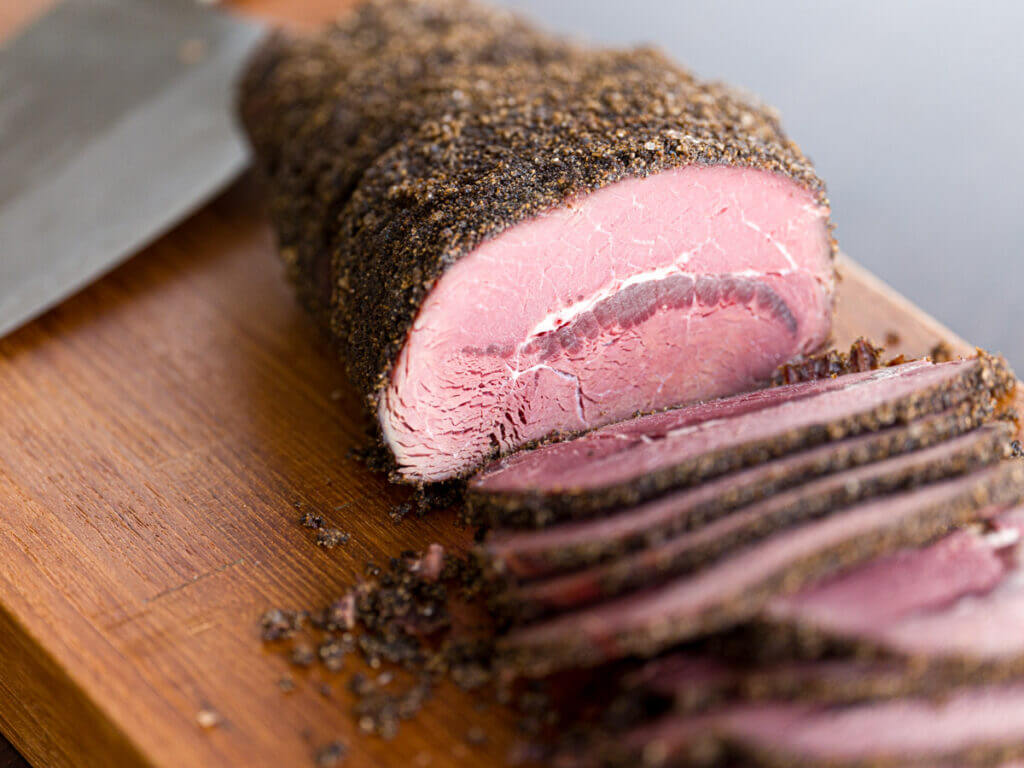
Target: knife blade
[116, 121]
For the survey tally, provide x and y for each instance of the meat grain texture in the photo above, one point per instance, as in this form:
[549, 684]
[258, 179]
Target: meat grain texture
[510, 235]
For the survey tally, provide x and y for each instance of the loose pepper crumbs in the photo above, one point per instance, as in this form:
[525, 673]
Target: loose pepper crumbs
[331, 755]
[327, 537]
[398, 615]
[863, 356]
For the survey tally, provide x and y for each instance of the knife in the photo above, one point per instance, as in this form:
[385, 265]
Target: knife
[116, 121]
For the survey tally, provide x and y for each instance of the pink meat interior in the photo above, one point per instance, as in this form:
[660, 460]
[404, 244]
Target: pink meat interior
[686, 285]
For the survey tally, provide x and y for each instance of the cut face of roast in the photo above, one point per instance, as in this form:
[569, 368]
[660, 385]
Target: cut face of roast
[625, 463]
[982, 725]
[689, 551]
[531, 554]
[683, 286]
[737, 587]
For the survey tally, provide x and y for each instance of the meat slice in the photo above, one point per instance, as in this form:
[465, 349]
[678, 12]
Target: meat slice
[692, 682]
[530, 554]
[706, 544]
[956, 606]
[623, 464]
[737, 587]
[511, 235]
[975, 726]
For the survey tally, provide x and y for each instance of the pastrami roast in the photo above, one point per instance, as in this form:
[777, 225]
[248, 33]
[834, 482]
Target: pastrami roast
[622, 464]
[737, 587]
[511, 236]
[706, 544]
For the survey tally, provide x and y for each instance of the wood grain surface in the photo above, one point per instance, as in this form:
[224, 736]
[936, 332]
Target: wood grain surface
[159, 430]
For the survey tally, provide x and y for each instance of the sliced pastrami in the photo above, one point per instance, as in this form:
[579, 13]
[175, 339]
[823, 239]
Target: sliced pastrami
[689, 551]
[956, 604]
[981, 725]
[739, 586]
[602, 470]
[523, 555]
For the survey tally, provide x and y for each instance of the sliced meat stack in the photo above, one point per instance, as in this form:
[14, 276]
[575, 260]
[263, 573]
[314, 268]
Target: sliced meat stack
[850, 527]
[510, 235]
[628, 462]
[688, 552]
[735, 588]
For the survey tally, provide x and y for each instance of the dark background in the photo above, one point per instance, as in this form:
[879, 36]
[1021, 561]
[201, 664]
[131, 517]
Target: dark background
[912, 110]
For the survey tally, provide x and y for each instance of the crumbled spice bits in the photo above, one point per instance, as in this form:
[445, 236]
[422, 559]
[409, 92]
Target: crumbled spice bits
[330, 755]
[941, 353]
[405, 136]
[399, 512]
[276, 624]
[312, 520]
[338, 616]
[399, 615]
[333, 650]
[396, 617]
[379, 712]
[302, 654]
[863, 356]
[329, 538]
[536, 709]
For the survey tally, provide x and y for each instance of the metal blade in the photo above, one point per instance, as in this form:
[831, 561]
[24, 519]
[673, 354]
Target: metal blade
[115, 122]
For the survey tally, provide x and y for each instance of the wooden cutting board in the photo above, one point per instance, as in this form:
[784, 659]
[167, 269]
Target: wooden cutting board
[159, 430]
